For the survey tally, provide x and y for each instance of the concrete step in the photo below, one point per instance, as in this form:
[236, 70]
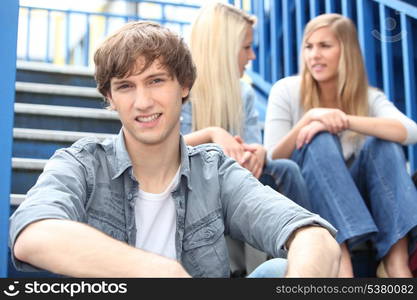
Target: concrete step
[16, 199]
[55, 135]
[54, 74]
[28, 163]
[33, 148]
[55, 94]
[52, 117]
[40, 143]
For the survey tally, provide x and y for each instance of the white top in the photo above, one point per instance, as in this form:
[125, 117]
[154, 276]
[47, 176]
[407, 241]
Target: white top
[284, 111]
[156, 221]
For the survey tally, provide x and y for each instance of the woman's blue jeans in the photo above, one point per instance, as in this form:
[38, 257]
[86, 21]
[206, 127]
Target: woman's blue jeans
[373, 199]
[284, 176]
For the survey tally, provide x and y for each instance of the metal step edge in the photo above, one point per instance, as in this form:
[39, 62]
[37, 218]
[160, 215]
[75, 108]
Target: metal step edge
[55, 135]
[28, 163]
[57, 89]
[65, 111]
[17, 199]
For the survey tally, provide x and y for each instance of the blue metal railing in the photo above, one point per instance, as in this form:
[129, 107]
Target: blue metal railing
[79, 24]
[385, 29]
[8, 19]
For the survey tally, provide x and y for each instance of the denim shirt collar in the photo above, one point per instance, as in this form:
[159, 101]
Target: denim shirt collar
[185, 162]
[122, 159]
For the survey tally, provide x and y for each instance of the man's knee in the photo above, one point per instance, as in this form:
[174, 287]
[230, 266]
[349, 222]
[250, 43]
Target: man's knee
[273, 268]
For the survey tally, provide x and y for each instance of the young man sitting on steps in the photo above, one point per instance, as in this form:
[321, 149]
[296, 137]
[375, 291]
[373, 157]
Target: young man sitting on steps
[143, 204]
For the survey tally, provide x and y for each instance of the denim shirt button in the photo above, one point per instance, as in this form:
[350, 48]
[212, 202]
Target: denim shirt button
[208, 234]
[129, 196]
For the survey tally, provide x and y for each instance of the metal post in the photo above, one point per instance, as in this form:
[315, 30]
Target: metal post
[289, 34]
[276, 41]
[314, 8]
[330, 6]
[301, 20]
[386, 53]
[367, 40]
[409, 80]
[8, 19]
[347, 9]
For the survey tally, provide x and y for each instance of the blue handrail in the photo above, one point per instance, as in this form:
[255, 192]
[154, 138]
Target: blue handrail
[409, 59]
[8, 19]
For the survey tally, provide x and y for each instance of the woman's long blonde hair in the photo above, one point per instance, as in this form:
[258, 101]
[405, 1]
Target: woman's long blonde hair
[216, 37]
[352, 87]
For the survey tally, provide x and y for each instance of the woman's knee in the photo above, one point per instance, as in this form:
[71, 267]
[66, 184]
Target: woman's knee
[323, 140]
[324, 144]
[383, 152]
[283, 169]
[378, 146]
[283, 166]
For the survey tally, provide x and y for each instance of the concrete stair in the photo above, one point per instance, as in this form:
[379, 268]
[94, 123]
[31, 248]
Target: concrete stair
[55, 106]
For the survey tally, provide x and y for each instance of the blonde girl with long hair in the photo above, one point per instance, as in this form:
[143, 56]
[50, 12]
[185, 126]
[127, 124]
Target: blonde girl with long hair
[346, 137]
[222, 107]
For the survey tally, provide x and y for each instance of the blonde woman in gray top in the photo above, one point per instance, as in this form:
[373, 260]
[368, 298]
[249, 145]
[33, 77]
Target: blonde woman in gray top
[346, 138]
[222, 109]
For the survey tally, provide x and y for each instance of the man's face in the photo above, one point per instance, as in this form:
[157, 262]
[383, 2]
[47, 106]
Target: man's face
[149, 104]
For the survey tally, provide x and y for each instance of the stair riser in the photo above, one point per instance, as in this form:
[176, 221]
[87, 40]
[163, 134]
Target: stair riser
[71, 124]
[23, 180]
[37, 149]
[76, 101]
[55, 78]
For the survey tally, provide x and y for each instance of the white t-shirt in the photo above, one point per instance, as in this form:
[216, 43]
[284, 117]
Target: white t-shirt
[156, 221]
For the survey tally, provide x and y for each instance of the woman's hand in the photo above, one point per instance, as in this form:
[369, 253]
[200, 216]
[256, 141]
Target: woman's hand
[307, 133]
[229, 144]
[254, 157]
[334, 119]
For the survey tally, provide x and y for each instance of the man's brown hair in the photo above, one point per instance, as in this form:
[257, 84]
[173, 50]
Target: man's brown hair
[117, 55]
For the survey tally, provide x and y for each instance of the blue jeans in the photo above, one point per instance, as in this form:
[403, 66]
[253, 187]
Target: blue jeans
[373, 199]
[273, 268]
[284, 176]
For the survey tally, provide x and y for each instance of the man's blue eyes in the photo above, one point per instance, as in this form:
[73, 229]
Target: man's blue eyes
[153, 81]
[123, 86]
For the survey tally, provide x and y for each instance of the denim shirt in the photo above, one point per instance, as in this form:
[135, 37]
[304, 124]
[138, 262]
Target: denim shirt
[251, 132]
[92, 182]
